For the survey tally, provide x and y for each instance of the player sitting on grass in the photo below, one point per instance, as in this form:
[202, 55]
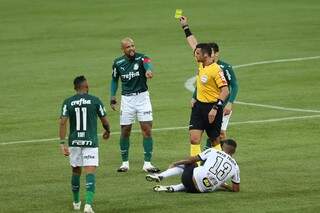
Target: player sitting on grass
[218, 167]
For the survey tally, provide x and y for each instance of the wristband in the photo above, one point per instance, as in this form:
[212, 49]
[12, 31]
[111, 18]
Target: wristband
[187, 31]
[62, 142]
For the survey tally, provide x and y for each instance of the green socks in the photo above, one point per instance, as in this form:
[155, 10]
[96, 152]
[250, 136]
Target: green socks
[124, 148]
[90, 186]
[148, 147]
[75, 186]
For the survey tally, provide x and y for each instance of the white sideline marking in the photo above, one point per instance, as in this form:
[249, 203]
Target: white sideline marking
[177, 128]
[189, 83]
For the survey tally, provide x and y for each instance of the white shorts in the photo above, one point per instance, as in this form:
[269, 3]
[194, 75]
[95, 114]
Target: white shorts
[225, 121]
[84, 156]
[133, 106]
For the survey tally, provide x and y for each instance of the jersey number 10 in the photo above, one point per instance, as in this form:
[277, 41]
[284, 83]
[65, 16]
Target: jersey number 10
[78, 111]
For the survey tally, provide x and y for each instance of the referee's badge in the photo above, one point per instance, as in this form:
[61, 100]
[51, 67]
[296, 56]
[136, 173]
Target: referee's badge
[204, 79]
[136, 67]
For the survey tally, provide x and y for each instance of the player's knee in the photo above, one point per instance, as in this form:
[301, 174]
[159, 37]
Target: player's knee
[125, 131]
[125, 134]
[146, 133]
[146, 130]
[76, 171]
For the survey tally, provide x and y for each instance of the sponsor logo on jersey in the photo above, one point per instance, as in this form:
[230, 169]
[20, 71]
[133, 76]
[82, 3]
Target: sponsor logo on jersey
[204, 79]
[206, 182]
[131, 75]
[82, 143]
[81, 134]
[80, 102]
[89, 157]
[136, 67]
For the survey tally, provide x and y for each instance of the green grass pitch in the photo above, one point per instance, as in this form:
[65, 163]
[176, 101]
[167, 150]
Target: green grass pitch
[45, 44]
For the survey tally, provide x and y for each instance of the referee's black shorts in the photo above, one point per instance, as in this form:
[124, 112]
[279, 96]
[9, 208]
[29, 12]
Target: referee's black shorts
[199, 119]
[187, 179]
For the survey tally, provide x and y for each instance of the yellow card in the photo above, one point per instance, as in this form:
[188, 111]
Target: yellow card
[178, 13]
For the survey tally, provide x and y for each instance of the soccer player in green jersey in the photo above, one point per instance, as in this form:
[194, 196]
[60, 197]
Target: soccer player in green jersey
[82, 111]
[133, 69]
[230, 77]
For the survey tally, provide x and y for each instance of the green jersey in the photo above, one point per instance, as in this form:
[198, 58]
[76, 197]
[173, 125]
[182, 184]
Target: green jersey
[82, 111]
[231, 79]
[131, 71]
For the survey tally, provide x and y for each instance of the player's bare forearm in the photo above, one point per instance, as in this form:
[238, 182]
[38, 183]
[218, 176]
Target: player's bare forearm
[191, 39]
[62, 135]
[234, 188]
[63, 128]
[226, 187]
[224, 92]
[227, 109]
[190, 160]
[104, 120]
[106, 126]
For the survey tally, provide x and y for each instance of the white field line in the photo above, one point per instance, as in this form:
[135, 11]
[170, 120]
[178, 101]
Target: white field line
[277, 107]
[190, 82]
[189, 85]
[176, 128]
[277, 61]
[275, 119]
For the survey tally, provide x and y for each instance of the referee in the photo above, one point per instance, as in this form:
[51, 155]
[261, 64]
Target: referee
[212, 91]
